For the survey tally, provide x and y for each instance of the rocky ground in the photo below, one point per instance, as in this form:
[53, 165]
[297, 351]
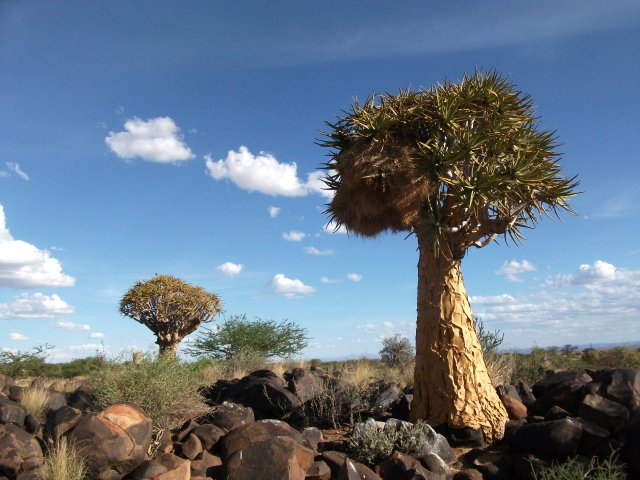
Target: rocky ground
[262, 427]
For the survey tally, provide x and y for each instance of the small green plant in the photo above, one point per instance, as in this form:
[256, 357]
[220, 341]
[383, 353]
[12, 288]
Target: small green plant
[24, 364]
[374, 445]
[604, 469]
[396, 350]
[165, 389]
[63, 462]
[34, 400]
[237, 336]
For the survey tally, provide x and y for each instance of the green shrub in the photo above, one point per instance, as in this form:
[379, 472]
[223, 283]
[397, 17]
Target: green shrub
[396, 350]
[375, 445]
[24, 364]
[605, 469]
[237, 335]
[165, 389]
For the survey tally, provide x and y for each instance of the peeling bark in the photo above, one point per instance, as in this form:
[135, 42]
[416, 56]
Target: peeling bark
[452, 384]
[169, 350]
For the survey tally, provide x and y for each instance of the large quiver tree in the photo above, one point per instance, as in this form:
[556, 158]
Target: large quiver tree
[170, 308]
[457, 165]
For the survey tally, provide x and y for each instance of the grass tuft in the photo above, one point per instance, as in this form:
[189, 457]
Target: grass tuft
[34, 400]
[63, 462]
[572, 469]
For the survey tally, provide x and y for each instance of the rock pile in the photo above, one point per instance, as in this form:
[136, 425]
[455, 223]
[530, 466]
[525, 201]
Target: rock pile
[254, 432]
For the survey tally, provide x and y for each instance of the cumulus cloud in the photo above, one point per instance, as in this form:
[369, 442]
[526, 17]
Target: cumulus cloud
[597, 272]
[354, 277]
[72, 326]
[332, 228]
[262, 173]
[37, 305]
[290, 288]
[317, 252]
[230, 269]
[155, 140]
[511, 270]
[23, 265]
[330, 281]
[274, 211]
[17, 336]
[96, 335]
[587, 306]
[15, 168]
[87, 347]
[293, 236]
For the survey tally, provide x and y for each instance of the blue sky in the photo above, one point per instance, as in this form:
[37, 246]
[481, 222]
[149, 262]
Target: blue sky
[178, 137]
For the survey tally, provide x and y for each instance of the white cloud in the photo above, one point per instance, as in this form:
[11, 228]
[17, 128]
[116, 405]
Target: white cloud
[87, 347]
[598, 272]
[587, 306]
[23, 265]
[262, 173]
[329, 281]
[230, 269]
[492, 300]
[17, 336]
[155, 140]
[274, 211]
[332, 228]
[317, 252]
[37, 305]
[511, 270]
[289, 287]
[316, 184]
[293, 236]
[354, 277]
[72, 326]
[96, 335]
[15, 168]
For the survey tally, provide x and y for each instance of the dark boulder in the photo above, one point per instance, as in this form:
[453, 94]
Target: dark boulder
[556, 438]
[229, 416]
[12, 412]
[114, 441]
[241, 437]
[19, 451]
[402, 467]
[565, 389]
[621, 385]
[605, 413]
[344, 468]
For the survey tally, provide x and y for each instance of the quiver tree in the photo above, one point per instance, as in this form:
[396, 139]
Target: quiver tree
[457, 165]
[170, 308]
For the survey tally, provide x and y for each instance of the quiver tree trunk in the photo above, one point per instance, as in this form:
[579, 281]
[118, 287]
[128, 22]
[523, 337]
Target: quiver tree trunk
[452, 385]
[168, 350]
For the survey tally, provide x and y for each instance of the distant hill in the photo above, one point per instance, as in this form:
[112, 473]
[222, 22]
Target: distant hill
[597, 346]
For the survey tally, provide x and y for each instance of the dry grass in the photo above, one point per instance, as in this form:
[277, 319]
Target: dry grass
[34, 400]
[500, 367]
[63, 463]
[359, 373]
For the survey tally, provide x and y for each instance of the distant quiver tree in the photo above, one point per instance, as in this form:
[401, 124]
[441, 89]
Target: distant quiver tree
[456, 165]
[396, 350]
[170, 308]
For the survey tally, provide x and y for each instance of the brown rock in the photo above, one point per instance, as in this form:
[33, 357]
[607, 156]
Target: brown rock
[177, 468]
[229, 416]
[278, 458]
[343, 468]
[312, 437]
[61, 421]
[114, 441]
[318, 470]
[515, 408]
[12, 412]
[206, 461]
[19, 451]
[148, 469]
[258, 431]
[191, 447]
[402, 467]
[209, 435]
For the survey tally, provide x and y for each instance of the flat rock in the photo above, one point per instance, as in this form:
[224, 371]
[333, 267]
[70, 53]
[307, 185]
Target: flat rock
[556, 438]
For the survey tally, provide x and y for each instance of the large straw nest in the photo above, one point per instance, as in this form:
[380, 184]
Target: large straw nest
[379, 187]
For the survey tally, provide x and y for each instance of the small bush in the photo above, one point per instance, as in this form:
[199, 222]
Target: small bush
[572, 469]
[62, 462]
[374, 445]
[34, 400]
[24, 364]
[396, 350]
[165, 389]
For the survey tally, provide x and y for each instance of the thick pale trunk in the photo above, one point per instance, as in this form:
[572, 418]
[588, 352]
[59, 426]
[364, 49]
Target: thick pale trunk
[169, 350]
[452, 385]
